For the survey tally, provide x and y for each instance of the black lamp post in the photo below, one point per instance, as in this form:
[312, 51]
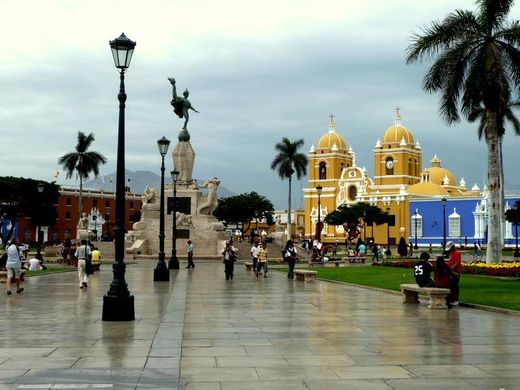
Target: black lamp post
[364, 227]
[388, 228]
[94, 218]
[118, 304]
[107, 218]
[415, 228]
[38, 232]
[318, 230]
[516, 253]
[174, 262]
[161, 272]
[444, 200]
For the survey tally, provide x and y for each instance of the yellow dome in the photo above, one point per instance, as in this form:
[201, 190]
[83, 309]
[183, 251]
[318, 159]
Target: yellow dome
[438, 174]
[397, 133]
[424, 188]
[332, 140]
[327, 141]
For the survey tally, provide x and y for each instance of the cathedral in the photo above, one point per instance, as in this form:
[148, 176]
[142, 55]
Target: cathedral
[422, 202]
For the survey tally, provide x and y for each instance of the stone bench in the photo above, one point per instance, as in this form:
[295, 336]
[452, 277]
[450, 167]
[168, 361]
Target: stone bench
[355, 259]
[437, 295]
[304, 275]
[249, 265]
[333, 263]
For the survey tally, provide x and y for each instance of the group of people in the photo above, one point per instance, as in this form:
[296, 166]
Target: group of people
[446, 274]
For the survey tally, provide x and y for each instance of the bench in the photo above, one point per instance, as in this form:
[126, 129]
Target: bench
[304, 275]
[249, 266]
[437, 295]
[355, 259]
[333, 263]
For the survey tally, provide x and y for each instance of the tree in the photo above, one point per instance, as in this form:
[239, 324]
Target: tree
[477, 65]
[513, 216]
[82, 162]
[21, 197]
[244, 208]
[355, 216]
[289, 161]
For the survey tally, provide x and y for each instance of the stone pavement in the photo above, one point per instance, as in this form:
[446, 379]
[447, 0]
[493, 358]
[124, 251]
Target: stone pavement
[200, 331]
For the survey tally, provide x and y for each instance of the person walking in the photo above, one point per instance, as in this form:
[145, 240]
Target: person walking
[455, 264]
[13, 266]
[477, 253]
[254, 254]
[83, 254]
[290, 256]
[262, 260]
[229, 260]
[191, 264]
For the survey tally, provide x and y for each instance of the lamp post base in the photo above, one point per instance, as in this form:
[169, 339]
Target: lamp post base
[173, 263]
[516, 254]
[161, 273]
[118, 308]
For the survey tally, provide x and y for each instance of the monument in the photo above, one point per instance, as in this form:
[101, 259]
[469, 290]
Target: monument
[194, 207]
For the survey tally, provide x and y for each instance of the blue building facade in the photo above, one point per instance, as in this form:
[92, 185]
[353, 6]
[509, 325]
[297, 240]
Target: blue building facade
[462, 220]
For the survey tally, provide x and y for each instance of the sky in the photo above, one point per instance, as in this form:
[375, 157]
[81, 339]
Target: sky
[257, 71]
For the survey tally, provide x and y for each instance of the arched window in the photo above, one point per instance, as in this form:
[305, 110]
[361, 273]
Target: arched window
[410, 167]
[352, 193]
[454, 224]
[417, 225]
[323, 171]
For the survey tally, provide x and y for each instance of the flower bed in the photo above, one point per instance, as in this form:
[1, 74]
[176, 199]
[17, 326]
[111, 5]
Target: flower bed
[510, 269]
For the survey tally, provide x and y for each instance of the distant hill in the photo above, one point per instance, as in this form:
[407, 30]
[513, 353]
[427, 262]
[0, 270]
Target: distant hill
[138, 181]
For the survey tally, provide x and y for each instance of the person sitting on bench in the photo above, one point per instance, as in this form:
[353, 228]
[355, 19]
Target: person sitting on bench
[422, 271]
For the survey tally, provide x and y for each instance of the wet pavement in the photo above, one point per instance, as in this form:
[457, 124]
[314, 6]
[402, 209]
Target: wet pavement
[199, 331]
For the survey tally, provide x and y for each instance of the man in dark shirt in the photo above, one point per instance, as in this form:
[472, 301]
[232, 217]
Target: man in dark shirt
[423, 270]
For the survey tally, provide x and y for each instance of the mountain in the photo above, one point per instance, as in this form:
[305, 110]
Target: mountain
[138, 181]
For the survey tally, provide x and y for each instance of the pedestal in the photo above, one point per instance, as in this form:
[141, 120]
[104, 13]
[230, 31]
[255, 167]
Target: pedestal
[183, 160]
[118, 309]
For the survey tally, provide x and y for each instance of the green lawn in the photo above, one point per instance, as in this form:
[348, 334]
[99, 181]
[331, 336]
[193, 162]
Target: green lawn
[50, 270]
[483, 290]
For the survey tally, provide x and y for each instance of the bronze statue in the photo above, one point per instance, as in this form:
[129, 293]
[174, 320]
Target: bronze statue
[181, 105]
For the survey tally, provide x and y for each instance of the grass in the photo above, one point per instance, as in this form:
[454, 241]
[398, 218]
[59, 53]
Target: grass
[49, 270]
[476, 289]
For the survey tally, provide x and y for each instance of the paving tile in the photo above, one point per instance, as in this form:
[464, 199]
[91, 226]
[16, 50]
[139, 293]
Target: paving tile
[211, 374]
[431, 384]
[347, 384]
[380, 372]
[282, 373]
[449, 371]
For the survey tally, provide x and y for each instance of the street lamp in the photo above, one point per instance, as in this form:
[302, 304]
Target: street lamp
[364, 227]
[38, 232]
[516, 253]
[94, 218]
[388, 228]
[118, 304]
[161, 272]
[318, 230]
[107, 218]
[415, 228]
[444, 200]
[174, 262]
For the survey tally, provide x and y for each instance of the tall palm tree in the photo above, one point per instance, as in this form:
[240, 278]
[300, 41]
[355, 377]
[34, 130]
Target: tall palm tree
[507, 116]
[82, 162]
[289, 161]
[477, 64]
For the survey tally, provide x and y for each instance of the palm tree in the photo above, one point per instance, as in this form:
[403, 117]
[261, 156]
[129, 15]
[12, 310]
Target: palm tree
[288, 161]
[82, 162]
[477, 65]
[507, 116]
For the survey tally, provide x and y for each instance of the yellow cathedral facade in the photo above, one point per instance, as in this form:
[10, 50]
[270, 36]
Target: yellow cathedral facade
[398, 178]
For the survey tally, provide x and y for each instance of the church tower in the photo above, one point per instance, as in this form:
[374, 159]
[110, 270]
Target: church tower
[326, 163]
[397, 159]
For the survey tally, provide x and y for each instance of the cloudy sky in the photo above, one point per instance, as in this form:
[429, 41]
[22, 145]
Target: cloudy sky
[256, 71]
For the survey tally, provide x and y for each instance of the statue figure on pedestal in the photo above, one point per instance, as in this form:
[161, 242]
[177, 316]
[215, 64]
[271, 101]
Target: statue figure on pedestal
[83, 222]
[181, 105]
[211, 202]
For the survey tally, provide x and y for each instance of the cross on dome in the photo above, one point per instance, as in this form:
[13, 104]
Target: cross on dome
[332, 125]
[397, 116]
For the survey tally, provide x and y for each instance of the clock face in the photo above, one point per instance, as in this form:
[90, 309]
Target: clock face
[390, 164]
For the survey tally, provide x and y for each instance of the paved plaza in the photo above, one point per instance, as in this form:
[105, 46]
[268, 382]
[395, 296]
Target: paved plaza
[200, 331]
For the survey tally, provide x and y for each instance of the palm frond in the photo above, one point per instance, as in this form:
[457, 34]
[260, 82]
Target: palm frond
[493, 12]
